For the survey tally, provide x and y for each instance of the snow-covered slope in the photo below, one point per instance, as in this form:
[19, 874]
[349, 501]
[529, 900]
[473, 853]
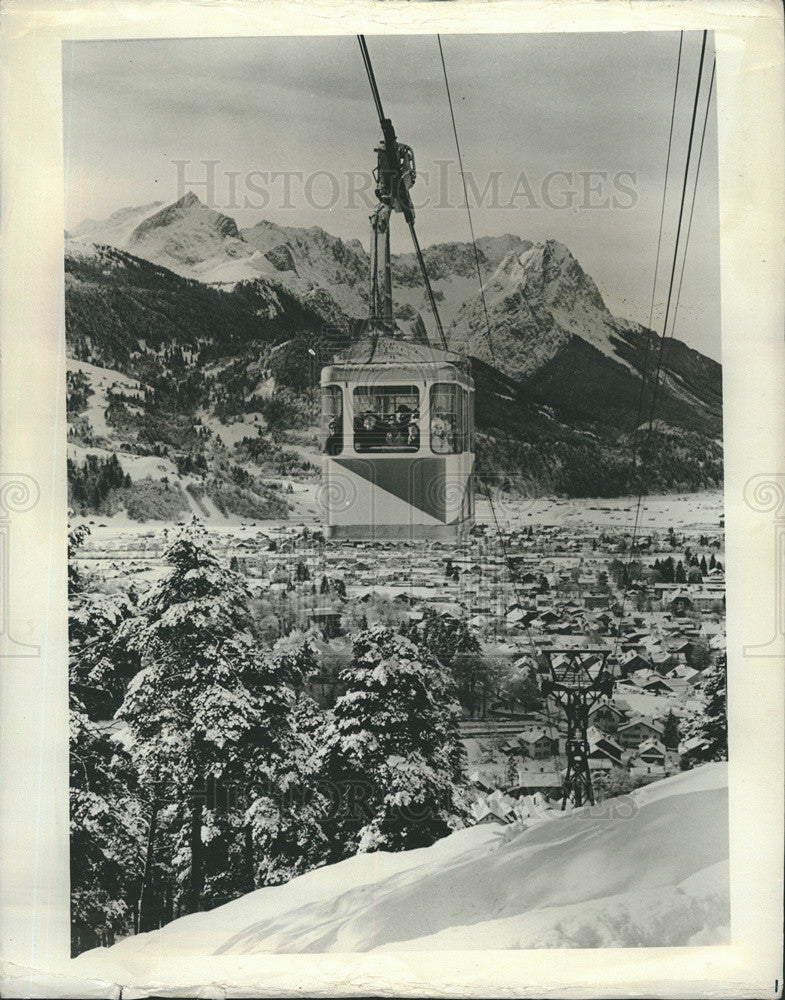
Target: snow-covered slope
[649, 869]
[312, 258]
[117, 229]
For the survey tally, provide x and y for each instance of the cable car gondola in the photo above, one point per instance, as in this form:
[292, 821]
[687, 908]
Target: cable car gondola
[398, 443]
[397, 416]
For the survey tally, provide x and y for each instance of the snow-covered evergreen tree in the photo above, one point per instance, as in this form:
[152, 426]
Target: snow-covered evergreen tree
[105, 818]
[106, 836]
[100, 663]
[395, 753]
[670, 730]
[286, 824]
[705, 735]
[209, 709]
[714, 728]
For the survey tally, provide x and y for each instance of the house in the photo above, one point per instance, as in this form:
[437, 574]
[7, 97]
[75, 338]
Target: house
[629, 684]
[604, 748]
[537, 744]
[495, 807]
[678, 685]
[692, 745]
[634, 732]
[478, 779]
[656, 685]
[651, 751]
[606, 717]
[634, 662]
[528, 781]
[327, 620]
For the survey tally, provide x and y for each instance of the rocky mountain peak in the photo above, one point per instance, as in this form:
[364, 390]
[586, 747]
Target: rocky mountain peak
[548, 272]
[188, 212]
[187, 200]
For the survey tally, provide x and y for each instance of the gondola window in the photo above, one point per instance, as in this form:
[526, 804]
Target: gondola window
[387, 418]
[447, 419]
[332, 420]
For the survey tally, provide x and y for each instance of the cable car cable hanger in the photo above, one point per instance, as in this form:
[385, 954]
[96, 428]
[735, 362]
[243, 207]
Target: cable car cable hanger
[400, 196]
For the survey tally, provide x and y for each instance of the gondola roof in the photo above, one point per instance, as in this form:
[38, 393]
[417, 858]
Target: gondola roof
[397, 359]
[391, 350]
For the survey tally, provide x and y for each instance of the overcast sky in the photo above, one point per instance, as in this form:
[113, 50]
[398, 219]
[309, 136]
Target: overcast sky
[564, 137]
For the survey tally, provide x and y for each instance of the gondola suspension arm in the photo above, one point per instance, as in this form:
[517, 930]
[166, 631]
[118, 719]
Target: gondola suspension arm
[397, 173]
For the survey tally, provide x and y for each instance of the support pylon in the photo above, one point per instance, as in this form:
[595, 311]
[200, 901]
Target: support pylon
[577, 680]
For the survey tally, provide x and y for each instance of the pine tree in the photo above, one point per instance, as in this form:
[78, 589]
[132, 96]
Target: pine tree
[105, 818]
[208, 708]
[710, 727]
[714, 728]
[100, 663]
[286, 823]
[395, 752]
[106, 834]
[670, 731]
[446, 635]
[679, 576]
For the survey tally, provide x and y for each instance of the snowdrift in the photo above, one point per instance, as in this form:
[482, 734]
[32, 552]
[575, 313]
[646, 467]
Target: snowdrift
[647, 869]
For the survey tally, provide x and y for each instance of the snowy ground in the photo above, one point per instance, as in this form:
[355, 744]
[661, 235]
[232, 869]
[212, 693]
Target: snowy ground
[657, 513]
[646, 870]
[693, 510]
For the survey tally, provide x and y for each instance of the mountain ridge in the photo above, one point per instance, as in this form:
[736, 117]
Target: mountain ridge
[571, 380]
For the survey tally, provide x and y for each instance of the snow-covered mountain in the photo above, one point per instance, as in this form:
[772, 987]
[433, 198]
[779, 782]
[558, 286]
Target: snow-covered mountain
[538, 297]
[647, 870]
[117, 230]
[567, 377]
[307, 259]
[547, 316]
[452, 270]
[195, 241]
[552, 329]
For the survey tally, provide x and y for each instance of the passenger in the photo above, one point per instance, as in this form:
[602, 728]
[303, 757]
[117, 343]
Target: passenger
[334, 443]
[371, 433]
[413, 437]
[398, 432]
[442, 437]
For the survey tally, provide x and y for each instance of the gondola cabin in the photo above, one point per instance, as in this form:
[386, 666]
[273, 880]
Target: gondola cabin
[398, 444]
